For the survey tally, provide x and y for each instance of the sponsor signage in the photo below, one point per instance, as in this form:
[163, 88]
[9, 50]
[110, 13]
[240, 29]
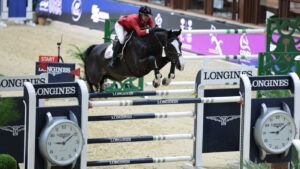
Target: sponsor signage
[221, 120]
[225, 76]
[58, 72]
[271, 82]
[48, 59]
[12, 127]
[16, 83]
[92, 14]
[56, 90]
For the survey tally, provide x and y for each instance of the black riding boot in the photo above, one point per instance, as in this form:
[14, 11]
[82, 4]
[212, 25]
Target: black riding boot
[115, 58]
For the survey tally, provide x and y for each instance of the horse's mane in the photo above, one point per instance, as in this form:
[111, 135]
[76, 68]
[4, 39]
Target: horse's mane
[157, 29]
[155, 33]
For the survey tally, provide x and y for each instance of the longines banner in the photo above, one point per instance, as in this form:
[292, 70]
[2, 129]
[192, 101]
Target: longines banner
[92, 13]
[16, 83]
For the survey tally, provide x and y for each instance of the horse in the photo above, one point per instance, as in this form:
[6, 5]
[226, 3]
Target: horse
[140, 56]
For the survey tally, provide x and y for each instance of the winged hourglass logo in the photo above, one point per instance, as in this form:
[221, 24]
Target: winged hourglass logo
[223, 119]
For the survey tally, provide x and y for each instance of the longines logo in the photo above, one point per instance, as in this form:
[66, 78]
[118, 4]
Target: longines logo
[120, 162]
[270, 83]
[125, 116]
[63, 135]
[19, 82]
[225, 74]
[56, 91]
[122, 93]
[13, 129]
[223, 119]
[168, 101]
[56, 70]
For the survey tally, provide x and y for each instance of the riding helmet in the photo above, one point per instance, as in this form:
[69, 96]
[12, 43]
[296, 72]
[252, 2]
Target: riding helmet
[145, 10]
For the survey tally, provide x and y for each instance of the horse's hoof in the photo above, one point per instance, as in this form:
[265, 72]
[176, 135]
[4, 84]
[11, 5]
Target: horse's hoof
[155, 84]
[166, 81]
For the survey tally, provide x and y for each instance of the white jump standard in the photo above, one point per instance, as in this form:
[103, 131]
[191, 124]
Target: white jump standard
[234, 103]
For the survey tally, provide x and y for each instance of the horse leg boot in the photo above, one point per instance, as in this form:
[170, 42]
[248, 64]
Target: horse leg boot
[167, 81]
[115, 57]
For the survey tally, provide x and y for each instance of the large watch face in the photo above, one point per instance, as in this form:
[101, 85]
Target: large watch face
[64, 143]
[278, 131]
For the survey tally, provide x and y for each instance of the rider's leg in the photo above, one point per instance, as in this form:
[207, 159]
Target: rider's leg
[121, 36]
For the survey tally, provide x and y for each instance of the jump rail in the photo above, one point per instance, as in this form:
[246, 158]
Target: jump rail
[224, 31]
[228, 99]
[223, 57]
[139, 138]
[139, 161]
[142, 93]
[141, 116]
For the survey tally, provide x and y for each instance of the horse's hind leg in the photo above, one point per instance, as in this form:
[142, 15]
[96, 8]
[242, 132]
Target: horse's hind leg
[157, 75]
[90, 86]
[102, 84]
[151, 59]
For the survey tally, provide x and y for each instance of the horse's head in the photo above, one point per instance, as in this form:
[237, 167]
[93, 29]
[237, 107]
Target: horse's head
[173, 49]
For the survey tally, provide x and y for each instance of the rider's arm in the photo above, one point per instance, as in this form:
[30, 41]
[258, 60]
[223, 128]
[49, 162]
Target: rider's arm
[138, 30]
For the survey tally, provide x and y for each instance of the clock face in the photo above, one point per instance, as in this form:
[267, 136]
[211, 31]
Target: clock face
[278, 131]
[64, 143]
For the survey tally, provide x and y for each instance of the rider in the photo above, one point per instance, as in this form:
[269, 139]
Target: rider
[140, 23]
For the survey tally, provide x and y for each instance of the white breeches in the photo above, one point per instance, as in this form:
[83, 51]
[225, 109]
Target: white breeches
[121, 33]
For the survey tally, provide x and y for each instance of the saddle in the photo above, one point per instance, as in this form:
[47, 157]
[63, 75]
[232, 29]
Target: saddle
[116, 39]
[111, 48]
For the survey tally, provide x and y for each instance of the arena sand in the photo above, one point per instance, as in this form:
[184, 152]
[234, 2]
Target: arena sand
[20, 46]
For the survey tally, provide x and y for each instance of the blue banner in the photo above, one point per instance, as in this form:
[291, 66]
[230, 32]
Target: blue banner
[92, 13]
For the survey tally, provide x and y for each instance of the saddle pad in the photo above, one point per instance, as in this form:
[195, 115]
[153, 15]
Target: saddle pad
[109, 52]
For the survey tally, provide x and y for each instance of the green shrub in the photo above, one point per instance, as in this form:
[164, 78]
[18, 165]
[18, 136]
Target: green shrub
[8, 162]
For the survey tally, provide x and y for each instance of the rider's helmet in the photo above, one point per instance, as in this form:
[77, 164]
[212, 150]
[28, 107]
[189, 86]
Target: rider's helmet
[145, 10]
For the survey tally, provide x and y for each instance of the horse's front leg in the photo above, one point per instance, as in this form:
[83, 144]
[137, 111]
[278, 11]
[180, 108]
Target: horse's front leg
[167, 81]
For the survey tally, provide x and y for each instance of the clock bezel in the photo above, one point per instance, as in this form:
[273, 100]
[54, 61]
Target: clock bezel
[259, 126]
[45, 136]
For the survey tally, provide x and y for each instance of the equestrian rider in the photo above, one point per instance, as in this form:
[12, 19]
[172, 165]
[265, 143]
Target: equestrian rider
[140, 23]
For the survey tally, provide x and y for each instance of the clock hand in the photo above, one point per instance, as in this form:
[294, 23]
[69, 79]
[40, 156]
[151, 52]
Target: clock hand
[282, 127]
[59, 143]
[69, 138]
[274, 132]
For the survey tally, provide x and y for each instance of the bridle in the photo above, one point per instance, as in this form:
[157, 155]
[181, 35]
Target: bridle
[166, 52]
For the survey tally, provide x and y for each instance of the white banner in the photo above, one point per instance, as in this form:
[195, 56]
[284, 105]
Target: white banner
[225, 76]
[16, 83]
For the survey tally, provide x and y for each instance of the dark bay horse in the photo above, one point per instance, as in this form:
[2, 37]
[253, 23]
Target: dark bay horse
[140, 56]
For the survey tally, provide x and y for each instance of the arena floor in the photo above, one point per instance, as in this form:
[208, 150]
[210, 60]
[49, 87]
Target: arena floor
[20, 46]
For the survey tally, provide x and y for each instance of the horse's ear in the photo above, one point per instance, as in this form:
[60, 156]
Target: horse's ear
[174, 32]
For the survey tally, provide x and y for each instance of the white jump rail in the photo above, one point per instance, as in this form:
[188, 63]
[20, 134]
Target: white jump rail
[224, 31]
[228, 99]
[223, 57]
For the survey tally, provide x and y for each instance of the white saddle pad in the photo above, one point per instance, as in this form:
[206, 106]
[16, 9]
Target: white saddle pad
[109, 52]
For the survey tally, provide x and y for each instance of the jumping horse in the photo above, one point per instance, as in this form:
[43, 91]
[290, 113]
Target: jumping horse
[140, 56]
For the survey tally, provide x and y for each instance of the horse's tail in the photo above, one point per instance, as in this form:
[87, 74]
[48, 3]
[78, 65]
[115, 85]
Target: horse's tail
[85, 57]
[87, 52]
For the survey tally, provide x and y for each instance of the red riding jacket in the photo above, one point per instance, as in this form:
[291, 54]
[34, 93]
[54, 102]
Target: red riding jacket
[133, 22]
